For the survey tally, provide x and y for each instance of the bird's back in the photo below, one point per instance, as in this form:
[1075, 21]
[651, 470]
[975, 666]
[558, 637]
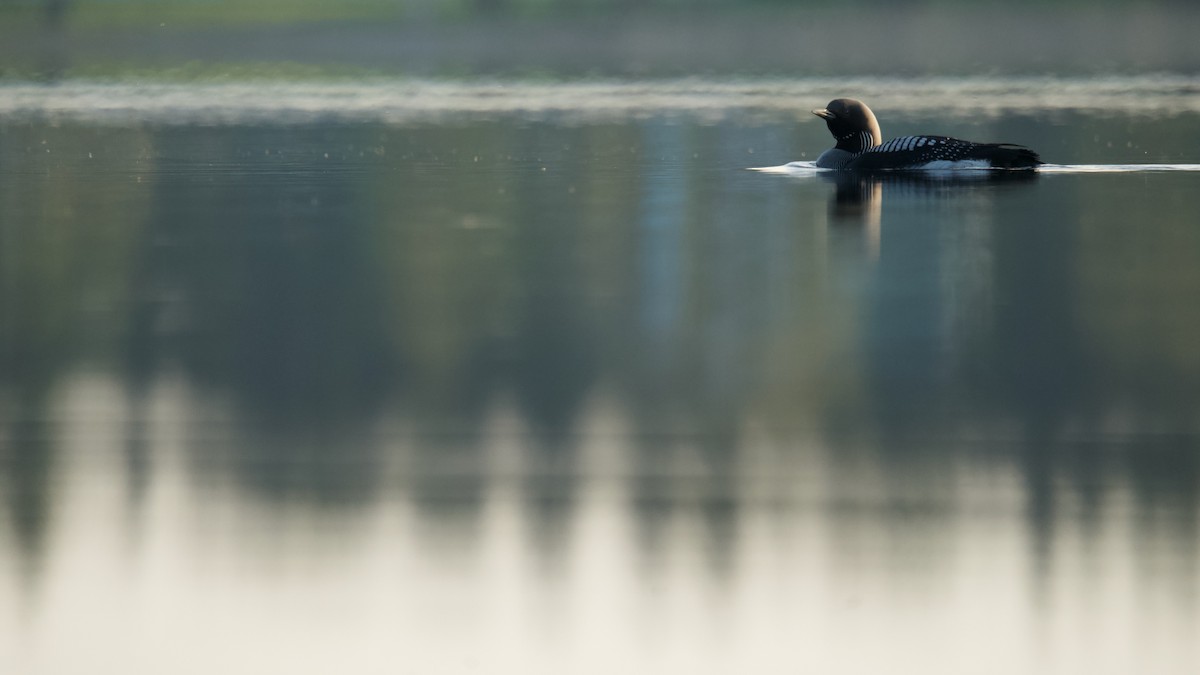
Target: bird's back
[942, 152]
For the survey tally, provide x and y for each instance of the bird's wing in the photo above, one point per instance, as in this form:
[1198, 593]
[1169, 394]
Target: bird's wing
[916, 151]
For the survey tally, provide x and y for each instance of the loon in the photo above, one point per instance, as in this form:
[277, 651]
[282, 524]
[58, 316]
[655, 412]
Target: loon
[860, 146]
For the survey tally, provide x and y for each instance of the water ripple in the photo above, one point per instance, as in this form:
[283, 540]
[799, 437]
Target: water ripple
[1116, 168]
[811, 169]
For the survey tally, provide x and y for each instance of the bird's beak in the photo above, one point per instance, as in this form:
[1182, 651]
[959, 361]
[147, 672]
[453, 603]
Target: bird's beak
[823, 114]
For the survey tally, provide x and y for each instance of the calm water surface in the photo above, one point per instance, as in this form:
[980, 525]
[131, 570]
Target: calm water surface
[461, 388]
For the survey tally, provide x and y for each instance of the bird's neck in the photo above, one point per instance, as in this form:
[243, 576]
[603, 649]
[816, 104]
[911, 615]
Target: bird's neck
[859, 141]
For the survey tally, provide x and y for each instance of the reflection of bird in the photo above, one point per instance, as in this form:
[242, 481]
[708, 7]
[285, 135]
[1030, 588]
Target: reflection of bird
[860, 146]
[856, 189]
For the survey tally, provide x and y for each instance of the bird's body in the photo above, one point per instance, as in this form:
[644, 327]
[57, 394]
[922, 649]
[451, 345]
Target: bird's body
[860, 146]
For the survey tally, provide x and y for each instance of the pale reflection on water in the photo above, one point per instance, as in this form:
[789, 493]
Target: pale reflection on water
[786, 564]
[510, 393]
[410, 100]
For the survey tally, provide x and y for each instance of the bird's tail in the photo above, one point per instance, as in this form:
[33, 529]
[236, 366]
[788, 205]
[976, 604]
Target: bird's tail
[1008, 156]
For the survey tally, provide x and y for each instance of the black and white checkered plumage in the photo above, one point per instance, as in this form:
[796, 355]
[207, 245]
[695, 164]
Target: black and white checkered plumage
[860, 146]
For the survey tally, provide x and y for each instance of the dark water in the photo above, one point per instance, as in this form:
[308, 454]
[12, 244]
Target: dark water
[557, 393]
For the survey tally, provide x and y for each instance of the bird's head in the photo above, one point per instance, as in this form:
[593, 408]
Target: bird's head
[852, 123]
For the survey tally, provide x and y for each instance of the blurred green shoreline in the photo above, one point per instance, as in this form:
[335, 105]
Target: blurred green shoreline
[113, 13]
[535, 39]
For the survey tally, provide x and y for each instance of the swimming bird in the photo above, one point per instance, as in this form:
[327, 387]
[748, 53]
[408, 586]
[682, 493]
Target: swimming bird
[860, 146]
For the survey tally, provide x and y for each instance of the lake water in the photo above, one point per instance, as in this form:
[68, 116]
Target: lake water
[513, 377]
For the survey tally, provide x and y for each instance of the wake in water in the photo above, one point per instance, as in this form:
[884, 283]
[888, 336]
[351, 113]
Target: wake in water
[1116, 168]
[811, 169]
